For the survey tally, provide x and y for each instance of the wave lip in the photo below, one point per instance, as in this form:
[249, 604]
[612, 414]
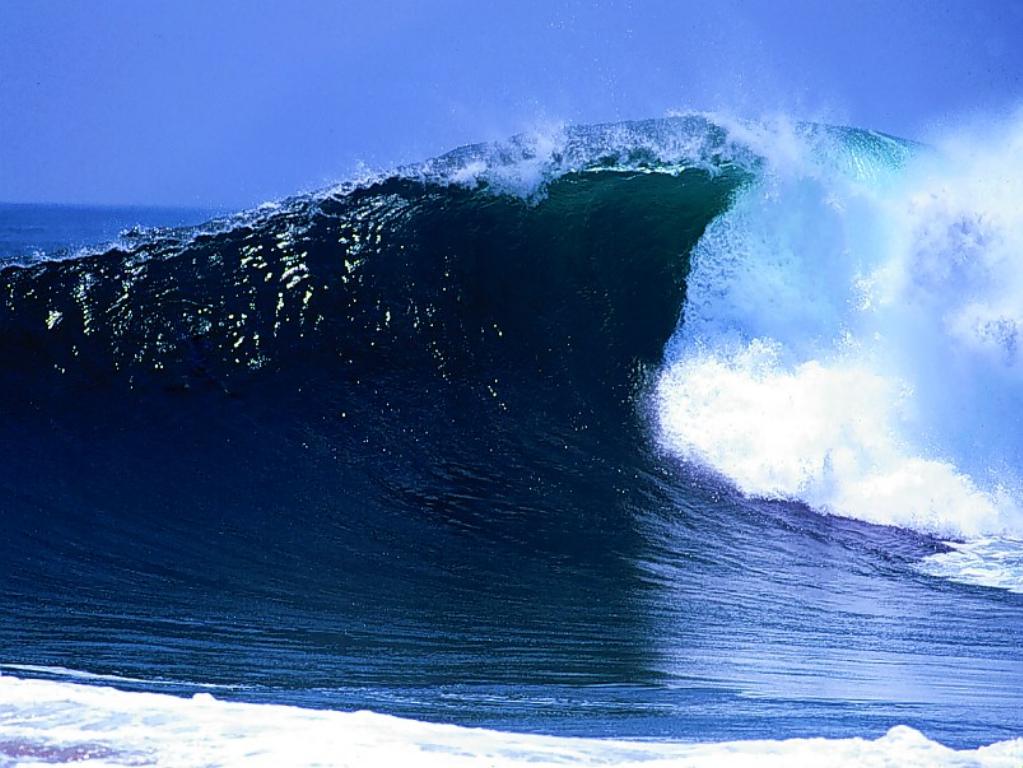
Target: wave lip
[53, 723]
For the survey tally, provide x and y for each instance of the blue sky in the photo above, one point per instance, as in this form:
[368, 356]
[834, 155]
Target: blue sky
[232, 103]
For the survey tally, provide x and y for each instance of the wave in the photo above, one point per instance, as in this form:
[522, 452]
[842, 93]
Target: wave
[526, 401]
[65, 724]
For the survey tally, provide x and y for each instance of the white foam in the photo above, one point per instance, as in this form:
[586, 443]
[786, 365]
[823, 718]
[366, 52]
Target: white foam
[45, 723]
[820, 433]
[986, 562]
[852, 333]
[525, 164]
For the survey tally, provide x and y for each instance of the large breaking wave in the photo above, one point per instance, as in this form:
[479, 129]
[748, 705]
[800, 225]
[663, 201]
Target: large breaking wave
[350, 449]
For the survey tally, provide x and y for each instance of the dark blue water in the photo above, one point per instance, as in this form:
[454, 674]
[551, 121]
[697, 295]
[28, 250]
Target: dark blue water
[390, 447]
[28, 231]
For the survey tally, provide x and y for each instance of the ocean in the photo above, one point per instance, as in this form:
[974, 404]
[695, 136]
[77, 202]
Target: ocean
[686, 441]
[30, 232]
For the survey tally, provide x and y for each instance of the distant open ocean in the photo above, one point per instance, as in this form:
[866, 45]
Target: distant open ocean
[31, 230]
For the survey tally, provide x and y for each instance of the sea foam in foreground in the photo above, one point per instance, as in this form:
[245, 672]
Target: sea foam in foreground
[47, 723]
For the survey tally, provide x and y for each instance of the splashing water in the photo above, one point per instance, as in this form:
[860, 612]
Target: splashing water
[851, 335]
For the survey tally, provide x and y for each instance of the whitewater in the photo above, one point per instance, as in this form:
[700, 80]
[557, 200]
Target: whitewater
[48, 723]
[850, 339]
